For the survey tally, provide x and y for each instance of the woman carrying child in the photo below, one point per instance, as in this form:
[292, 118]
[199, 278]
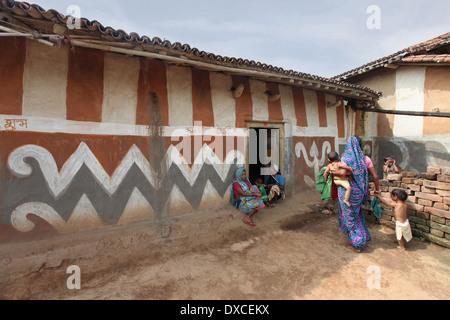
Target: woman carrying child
[351, 218]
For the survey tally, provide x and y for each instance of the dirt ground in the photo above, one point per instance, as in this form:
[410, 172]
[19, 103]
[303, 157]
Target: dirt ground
[295, 253]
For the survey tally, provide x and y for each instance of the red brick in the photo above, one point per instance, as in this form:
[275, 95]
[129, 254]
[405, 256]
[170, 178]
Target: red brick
[434, 169]
[411, 175]
[424, 202]
[437, 212]
[443, 193]
[428, 190]
[413, 187]
[418, 182]
[443, 178]
[414, 206]
[441, 206]
[408, 180]
[437, 185]
[447, 200]
[394, 177]
[427, 196]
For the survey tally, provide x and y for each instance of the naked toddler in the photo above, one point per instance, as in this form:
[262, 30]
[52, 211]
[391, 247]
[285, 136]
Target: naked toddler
[339, 171]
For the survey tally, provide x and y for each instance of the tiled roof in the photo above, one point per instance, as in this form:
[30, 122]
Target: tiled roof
[428, 58]
[423, 49]
[44, 21]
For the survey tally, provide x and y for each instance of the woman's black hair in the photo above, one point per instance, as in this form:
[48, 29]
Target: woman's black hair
[360, 142]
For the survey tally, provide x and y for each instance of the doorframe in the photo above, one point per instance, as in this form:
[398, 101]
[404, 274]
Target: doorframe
[268, 125]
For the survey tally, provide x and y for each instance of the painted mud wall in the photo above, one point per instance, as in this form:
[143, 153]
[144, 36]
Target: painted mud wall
[92, 139]
[416, 142]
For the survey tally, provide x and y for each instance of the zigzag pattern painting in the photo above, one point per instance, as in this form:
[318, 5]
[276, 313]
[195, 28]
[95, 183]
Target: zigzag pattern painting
[82, 196]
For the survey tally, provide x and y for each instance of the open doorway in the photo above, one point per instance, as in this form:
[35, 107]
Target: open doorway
[263, 151]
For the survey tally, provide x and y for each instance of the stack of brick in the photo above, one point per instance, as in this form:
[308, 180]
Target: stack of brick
[428, 203]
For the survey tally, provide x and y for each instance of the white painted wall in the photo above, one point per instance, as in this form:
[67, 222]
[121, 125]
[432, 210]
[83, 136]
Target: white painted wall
[120, 89]
[288, 108]
[179, 90]
[224, 105]
[410, 83]
[312, 108]
[45, 81]
[260, 105]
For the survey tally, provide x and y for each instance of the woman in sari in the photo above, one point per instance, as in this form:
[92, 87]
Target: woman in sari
[245, 197]
[351, 218]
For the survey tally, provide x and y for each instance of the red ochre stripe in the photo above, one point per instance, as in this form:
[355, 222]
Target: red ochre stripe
[244, 104]
[300, 106]
[152, 79]
[275, 110]
[321, 103]
[85, 85]
[340, 118]
[201, 98]
[12, 62]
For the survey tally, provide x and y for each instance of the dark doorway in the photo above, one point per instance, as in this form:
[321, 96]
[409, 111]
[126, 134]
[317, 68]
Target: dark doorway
[264, 150]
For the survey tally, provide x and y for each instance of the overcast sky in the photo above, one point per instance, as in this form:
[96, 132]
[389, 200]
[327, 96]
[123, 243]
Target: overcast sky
[320, 37]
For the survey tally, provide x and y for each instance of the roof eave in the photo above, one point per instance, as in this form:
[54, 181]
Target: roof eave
[108, 39]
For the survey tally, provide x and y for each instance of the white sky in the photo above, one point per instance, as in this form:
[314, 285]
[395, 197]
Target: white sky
[321, 37]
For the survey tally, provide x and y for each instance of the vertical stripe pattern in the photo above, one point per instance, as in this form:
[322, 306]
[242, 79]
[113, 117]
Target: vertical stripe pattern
[201, 98]
[85, 85]
[93, 86]
[12, 61]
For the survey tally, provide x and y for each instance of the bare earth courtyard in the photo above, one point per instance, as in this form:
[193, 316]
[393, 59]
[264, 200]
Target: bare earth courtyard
[295, 253]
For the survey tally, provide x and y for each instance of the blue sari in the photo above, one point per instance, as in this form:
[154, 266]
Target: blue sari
[351, 219]
[245, 204]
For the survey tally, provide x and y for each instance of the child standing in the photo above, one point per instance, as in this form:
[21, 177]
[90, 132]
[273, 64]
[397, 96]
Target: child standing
[402, 225]
[390, 167]
[339, 171]
[262, 189]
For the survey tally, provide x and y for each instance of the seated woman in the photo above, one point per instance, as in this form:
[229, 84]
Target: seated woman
[275, 185]
[245, 197]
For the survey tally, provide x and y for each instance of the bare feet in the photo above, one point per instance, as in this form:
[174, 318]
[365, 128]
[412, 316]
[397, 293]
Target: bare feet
[401, 248]
[349, 246]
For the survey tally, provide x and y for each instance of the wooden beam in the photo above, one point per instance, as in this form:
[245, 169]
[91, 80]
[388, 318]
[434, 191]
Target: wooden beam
[407, 113]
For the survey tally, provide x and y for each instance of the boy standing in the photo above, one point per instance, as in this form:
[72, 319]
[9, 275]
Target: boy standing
[339, 171]
[402, 226]
[390, 167]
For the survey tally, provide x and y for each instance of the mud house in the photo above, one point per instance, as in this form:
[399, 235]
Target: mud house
[416, 79]
[102, 128]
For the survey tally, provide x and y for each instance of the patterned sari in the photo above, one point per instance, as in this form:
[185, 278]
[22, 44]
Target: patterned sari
[245, 204]
[351, 219]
